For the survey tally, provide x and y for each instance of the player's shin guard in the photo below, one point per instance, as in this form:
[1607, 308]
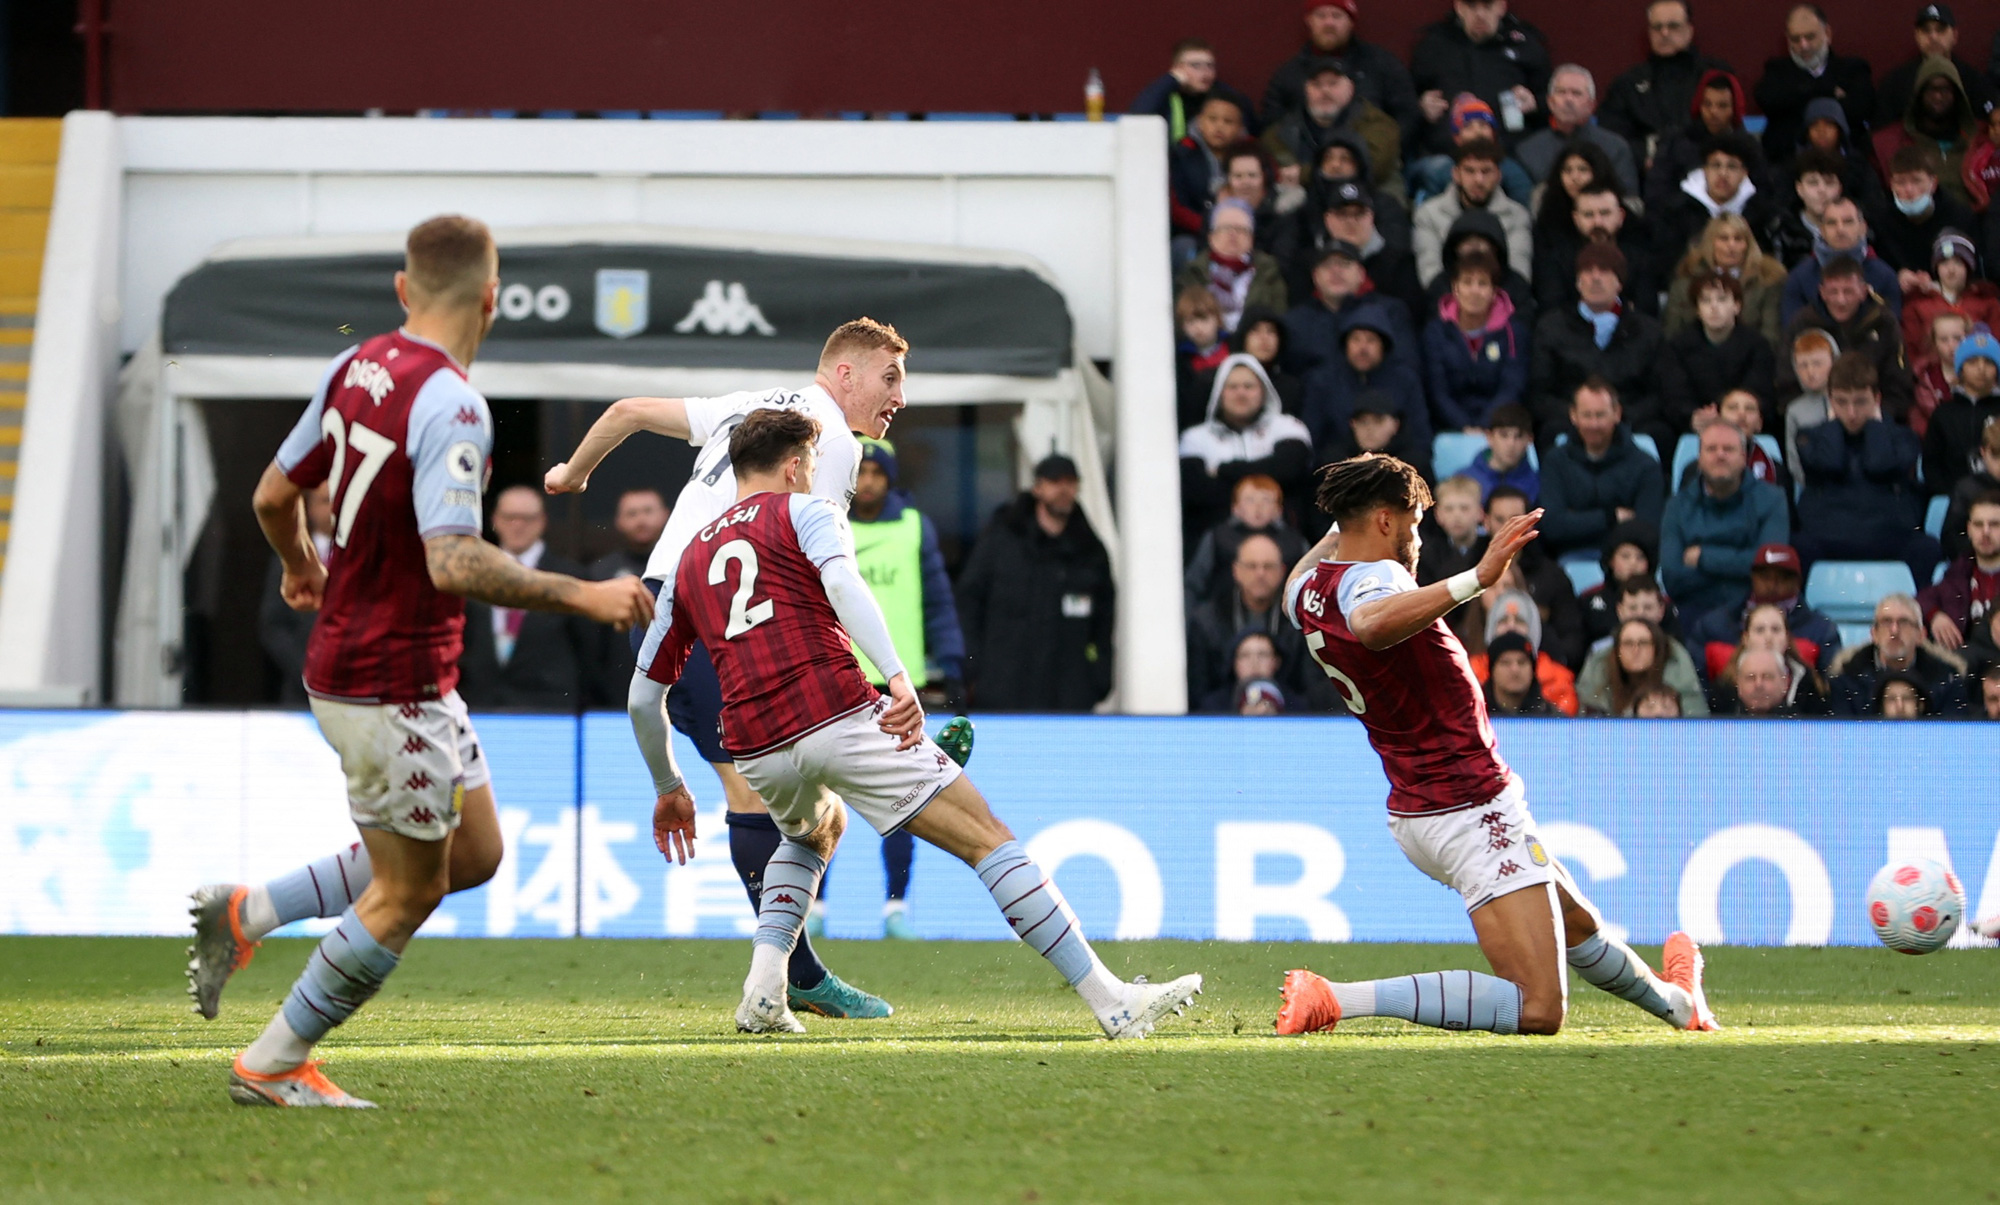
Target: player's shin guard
[1439, 999]
[1039, 915]
[1612, 967]
[753, 838]
[327, 887]
[343, 974]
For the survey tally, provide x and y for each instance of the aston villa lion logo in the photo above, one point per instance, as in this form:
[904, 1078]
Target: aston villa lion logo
[621, 301]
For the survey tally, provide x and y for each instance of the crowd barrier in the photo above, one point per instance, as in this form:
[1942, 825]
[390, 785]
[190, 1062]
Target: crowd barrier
[1270, 829]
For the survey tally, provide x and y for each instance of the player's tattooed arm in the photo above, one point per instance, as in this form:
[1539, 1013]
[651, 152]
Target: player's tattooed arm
[470, 567]
[625, 418]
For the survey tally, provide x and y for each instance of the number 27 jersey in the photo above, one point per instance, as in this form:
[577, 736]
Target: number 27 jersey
[1423, 708]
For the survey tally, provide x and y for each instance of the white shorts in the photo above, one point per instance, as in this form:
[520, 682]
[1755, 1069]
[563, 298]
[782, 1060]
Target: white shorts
[408, 765]
[1481, 852]
[854, 761]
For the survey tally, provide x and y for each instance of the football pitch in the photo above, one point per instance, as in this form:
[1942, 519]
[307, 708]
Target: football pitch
[586, 1070]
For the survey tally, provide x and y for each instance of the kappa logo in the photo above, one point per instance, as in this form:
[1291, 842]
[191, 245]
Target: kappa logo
[421, 815]
[468, 416]
[942, 761]
[411, 711]
[1492, 818]
[415, 744]
[784, 897]
[369, 377]
[725, 310]
[1509, 867]
[419, 781]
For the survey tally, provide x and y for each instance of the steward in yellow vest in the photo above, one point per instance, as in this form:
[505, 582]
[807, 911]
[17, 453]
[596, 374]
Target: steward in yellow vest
[896, 548]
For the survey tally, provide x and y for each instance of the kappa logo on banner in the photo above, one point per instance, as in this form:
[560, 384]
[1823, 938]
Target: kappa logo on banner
[724, 311]
[621, 301]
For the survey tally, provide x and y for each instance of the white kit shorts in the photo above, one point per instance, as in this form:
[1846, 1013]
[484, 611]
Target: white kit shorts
[408, 765]
[849, 760]
[1482, 852]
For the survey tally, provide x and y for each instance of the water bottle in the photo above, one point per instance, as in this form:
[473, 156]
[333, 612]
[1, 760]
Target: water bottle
[1093, 97]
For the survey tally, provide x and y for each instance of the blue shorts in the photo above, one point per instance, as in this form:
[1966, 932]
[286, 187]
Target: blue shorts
[695, 702]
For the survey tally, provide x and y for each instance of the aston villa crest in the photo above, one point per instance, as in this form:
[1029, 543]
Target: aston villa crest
[621, 301]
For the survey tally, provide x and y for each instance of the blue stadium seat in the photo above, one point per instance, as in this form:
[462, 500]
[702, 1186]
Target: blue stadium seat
[1584, 574]
[1772, 448]
[1848, 590]
[1934, 516]
[1644, 442]
[1852, 634]
[1686, 449]
[620, 114]
[1453, 452]
[684, 114]
[1937, 574]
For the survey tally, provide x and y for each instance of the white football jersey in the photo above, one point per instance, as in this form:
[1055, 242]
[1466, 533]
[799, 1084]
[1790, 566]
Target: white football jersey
[712, 488]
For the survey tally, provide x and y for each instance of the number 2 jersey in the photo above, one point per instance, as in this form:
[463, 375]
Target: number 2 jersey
[749, 589]
[712, 488]
[403, 442]
[1423, 708]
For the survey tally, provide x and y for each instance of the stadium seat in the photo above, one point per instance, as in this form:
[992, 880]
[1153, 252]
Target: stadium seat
[1771, 446]
[1848, 590]
[1686, 449]
[1937, 574]
[1644, 442]
[1583, 574]
[1453, 452]
[1852, 634]
[684, 114]
[1934, 516]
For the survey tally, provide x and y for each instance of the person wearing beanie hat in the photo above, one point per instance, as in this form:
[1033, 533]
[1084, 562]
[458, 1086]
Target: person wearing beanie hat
[1600, 336]
[1331, 32]
[1951, 442]
[1953, 286]
[1511, 689]
[1514, 611]
[1469, 110]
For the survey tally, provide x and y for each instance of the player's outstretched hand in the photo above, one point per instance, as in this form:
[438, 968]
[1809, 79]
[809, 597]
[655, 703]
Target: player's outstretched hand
[304, 591]
[673, 824]
[1512, 537]
[622, 602]
[904, 718]
[561, 480]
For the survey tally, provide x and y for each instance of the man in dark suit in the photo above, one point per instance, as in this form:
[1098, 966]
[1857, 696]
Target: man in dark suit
[532, 660]
[641, 517]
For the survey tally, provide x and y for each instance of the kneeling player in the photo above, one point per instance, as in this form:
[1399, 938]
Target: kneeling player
[1459, 813]
[771, 589]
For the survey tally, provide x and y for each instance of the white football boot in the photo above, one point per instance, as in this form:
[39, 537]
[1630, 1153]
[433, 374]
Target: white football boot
[1146, 1003]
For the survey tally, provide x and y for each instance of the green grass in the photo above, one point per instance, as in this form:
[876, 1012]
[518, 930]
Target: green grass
[523, 1070]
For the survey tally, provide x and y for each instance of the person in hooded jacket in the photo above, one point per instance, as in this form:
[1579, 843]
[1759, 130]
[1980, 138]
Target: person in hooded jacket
[1261, 333]
[1721, 186]
[1479, 233]
[1630, 553]
[1332, 106]
[1940, 116]
[1247, 431]
[1345, 210]
[1369, 359]
[1511, 689]
[1936, 33]
[1513, 611]
[1475, 350]
[1316, 329]
[1826, 131]
[1809, 70]
[1717, 108]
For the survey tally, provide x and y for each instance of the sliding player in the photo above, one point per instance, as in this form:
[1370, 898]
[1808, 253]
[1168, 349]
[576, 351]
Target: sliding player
[403, 442]
[772, 588]
[1459, 813]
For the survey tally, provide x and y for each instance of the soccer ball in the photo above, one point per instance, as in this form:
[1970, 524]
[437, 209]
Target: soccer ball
[1915, 905]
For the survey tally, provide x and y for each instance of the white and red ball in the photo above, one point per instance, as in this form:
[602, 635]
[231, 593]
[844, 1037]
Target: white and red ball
[1915, 905]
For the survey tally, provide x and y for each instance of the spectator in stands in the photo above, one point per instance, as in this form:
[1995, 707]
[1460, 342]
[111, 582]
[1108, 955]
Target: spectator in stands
[1861, 500]
[1246, 431]
[896, 549]
[1455, 545]
[1951, 442]
[1378, 421]
[1843, 234]
[1261, 333]
[1579, 164]
[1952, 287]
[1511, 689]
[1598, 216]
[1256, 507]
[1180, 93]
[1813, 354]
[1485, 50]
[1536, 573]
[1963, 599]
[1332, 105]
[1989, 690]
[1599, 479]
[1816, 182]
[1939, 119]
[1232, 269]
[1379, 76]
[1721, 186]
[282, 631]
[1475, 185]
[1764, 630]
[1214, 627]
[1810, 70]
[1858, 323]
[1657, 98]
[1777, 580]
[1901, 697]
[1827, 132]
[1763, 688]
[1896, 645]
[1716, 357]
[1743, 410]
[1981, 176]
[532, 660]
[1907, 231]
[1510, 433]
[1932, 372]
[1710, 534]
[1660, 702]
[1717, 111]
[1316, 330]
[1727, 245]
[1956, 537]
[640, 518]
[1251, 177]
[1349, 217]
[1513, 611]
[1475, 353]
[1479, 233]
[1370, 358]
[1038, 602]
[1254, 685]
[1195, 172]
[1198, 352]
[1936, 37]
[1572, 104]
[1639, 656]
[1627, 559]
[1600, 337]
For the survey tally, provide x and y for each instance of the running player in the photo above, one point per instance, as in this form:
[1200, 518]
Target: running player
[858, 386]
[1459, 813]
[403, 442]
[772, 588]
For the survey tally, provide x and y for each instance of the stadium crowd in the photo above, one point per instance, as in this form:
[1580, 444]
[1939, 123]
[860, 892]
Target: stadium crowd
[1713, 356]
